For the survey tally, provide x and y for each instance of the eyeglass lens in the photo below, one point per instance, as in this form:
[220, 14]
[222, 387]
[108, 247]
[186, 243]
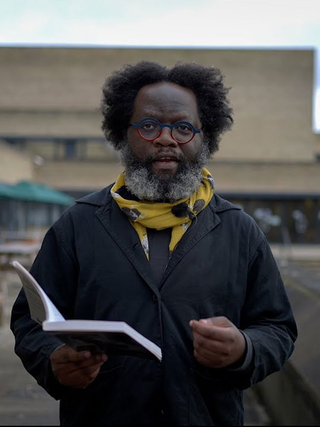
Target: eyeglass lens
[150, 130]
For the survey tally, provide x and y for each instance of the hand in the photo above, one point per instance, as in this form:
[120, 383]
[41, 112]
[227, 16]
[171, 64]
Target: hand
[217, 342]
[75, 369]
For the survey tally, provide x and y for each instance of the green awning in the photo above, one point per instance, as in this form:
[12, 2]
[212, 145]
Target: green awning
[9, 192]
[33, 192]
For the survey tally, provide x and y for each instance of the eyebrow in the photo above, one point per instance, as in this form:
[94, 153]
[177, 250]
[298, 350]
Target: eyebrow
[177, 117]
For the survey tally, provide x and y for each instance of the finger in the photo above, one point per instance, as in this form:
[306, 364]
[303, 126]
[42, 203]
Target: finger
[88, 370]
[91, 378]
[87, 357]
[79, 378]
[208, 330]
[66, 354]
[214, 361]
[210, 344]
[64, 369]
[84, 377]
[94, 361]
[221, 321]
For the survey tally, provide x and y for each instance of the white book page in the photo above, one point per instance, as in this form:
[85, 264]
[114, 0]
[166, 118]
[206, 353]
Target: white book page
[100, 326]
[40, 305]
[144, 341]
[43, 311]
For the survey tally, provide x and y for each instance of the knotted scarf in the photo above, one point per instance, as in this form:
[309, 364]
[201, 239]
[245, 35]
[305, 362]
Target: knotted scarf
[177, 215]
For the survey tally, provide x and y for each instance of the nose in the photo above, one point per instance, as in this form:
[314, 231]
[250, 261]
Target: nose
[165, 139]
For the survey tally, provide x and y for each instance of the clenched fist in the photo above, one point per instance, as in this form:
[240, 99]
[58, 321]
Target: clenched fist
[217, 342]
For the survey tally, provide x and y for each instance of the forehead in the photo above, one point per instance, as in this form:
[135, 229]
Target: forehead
[166, 99]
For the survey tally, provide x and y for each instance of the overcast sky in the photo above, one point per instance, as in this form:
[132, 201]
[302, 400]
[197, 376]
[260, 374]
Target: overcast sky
[184, 23]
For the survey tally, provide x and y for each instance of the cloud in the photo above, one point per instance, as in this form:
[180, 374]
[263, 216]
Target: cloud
[175, 22]
[29, 23]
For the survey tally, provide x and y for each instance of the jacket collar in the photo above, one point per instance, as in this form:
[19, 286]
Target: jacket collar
[123, 234]
[99, 198]
[103, 197]
[218, 204]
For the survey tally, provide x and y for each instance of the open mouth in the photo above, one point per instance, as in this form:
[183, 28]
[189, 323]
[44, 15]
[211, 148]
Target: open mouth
[166, 163]
[166, 159]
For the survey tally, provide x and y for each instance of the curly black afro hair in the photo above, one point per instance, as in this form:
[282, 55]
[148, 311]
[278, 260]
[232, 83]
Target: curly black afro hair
[122, 87]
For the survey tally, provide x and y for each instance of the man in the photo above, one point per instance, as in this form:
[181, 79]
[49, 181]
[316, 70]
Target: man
[159, 250]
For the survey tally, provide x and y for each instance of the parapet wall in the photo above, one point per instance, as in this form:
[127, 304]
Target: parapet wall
[288, 398]
[292, 396]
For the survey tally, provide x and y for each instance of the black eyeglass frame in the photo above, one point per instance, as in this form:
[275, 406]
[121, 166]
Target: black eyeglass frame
[161, 125]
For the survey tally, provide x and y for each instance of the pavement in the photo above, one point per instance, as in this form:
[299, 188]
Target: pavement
[22, 401]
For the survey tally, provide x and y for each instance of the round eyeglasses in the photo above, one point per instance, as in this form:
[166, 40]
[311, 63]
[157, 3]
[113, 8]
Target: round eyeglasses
[150, 129]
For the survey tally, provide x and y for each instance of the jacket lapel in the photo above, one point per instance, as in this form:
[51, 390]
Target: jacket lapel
[121, 231]
[124, 235]
[206, 221]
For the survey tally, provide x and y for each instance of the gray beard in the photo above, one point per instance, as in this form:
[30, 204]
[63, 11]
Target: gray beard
[142, 182]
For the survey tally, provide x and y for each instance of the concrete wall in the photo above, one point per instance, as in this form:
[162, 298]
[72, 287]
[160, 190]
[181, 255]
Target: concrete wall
[232, 177]
[57, 91]
[49, 123]
[14, 165]
[266, 177]
[77, 175]
[89, 150]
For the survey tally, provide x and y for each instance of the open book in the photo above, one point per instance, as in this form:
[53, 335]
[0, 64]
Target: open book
[98, 336]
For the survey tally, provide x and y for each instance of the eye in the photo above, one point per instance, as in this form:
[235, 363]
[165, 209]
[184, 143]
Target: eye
[149, 129]
[149, 125]
[184, 128]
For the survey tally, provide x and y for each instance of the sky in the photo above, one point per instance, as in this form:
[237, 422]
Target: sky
[166, 23]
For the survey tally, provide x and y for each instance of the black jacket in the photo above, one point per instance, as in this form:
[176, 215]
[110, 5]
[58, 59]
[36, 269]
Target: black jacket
[92, 266]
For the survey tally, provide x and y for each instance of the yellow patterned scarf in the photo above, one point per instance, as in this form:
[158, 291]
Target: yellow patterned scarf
[177, 216]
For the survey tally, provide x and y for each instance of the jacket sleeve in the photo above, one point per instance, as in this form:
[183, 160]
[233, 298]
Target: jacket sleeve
[55, 269]
[267, 315]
